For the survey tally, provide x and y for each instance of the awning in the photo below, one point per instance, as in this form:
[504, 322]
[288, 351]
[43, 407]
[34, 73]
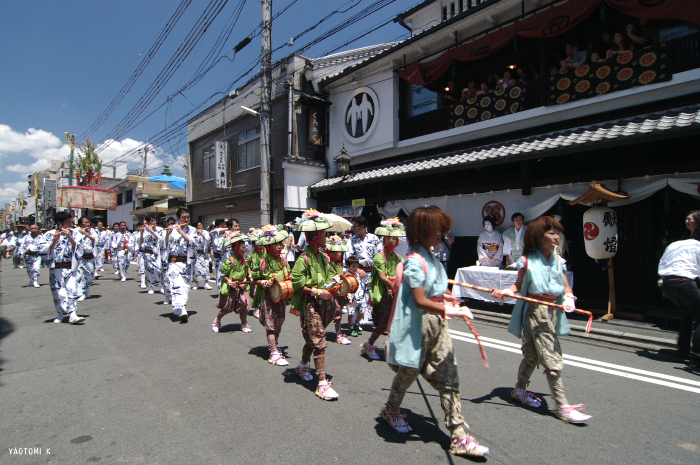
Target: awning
[611, 133]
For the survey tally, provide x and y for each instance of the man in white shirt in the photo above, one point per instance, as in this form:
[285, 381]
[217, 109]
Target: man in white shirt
[513, 248]
[679, 269]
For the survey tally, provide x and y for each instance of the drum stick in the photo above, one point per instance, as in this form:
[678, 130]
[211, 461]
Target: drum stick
[589, 325]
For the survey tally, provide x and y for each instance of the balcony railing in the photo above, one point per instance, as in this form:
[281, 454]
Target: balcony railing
[686, 56]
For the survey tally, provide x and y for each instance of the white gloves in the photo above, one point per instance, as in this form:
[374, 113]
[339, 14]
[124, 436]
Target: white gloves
[569, 303]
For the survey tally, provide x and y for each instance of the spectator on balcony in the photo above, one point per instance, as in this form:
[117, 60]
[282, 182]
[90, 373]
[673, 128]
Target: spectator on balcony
[532, 69]
[523, 75]
[492, 81]
[452, 95]
[621, 45]
[595, 58]
[471, 91]
[509, 81]
[574, 58]
[484, 89]
[642, 36]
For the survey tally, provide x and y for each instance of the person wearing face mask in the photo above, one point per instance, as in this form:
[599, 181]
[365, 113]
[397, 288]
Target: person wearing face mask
[542, 276]
[489, 246]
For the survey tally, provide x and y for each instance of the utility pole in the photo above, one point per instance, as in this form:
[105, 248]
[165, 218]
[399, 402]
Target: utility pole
[146, 149]
[265, 98]
[71, 142]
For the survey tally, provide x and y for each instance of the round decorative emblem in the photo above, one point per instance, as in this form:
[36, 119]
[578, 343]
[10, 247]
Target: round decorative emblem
[590, 231]
[603, 72]
[515, 92]
[459, 109]
[472, 112]
[485, 102]
[361, 115]
[514, 107]
[459, 123]
[485, 115]
[647, 76]
[582, 70]
[625, 58]
[647, 59]
[563, 98]
[583, 86]
[495, 209]
[500, 105]
[603, 87]
[499, 92]
[471, 101]
[564, 83]
[624, 74]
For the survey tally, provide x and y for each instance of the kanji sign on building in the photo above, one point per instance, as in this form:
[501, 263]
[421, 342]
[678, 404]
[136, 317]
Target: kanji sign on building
[222, 164]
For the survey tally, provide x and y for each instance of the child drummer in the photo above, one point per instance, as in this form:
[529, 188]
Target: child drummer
[336, 248]
[541, 276]
[272, 267]
[311, 277]
[233, 296]
[381, 296]
[253, 260]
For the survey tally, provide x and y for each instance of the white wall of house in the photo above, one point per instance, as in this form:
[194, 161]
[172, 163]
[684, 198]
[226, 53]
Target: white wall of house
[297, 178]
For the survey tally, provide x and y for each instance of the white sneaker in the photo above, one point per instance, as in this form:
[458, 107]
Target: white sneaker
[59, 319]
[162, 291]
[36, 284]
[370, 350]
[216, 326]
[81, 298]
[326, 392]
[194, 287]
[166, 302]
[278, 359]
[150, 292]
[75, 319]
[102, 269]
[396, 420]
[304, 372]
[123, 279]
[207, 286]
[246, 328]
[143, 285]
[116, 272]
[571, 413]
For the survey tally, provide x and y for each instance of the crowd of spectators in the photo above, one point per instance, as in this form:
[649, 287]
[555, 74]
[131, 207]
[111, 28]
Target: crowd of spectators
[512, 76]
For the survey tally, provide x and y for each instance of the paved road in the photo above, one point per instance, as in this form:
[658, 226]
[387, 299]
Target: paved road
[134, 386]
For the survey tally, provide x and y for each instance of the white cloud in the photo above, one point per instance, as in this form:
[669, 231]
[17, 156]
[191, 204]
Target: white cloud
[35, 148]
[10, 191]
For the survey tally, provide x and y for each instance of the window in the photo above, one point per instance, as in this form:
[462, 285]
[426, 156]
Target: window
[249, 149]
[129, 196]
[422, 100]
[120, 199]
[209, 164]
[444, 13]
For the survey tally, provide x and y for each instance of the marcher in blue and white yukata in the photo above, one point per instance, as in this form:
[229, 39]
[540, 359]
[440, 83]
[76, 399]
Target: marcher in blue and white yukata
[101, 244]
[120, 256]
[84, 263]
[139, 255]
[29, 252]
[60, 245]
[217, 239]
[149, 243]
[363, 246]
[181, 251]
[200, 271]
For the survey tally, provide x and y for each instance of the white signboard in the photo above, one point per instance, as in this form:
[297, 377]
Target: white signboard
[222, 164]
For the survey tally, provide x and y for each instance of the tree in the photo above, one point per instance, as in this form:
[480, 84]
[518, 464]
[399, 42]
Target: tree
[88, 165]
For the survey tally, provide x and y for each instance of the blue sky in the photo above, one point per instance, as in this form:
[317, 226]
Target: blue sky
[63, 62]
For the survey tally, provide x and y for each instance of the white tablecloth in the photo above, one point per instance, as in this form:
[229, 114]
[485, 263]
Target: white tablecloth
[489, 277]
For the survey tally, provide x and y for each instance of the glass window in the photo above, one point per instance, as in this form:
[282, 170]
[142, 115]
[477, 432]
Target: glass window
[249, 149]
[129, 196]
[208, 164]
[422, 100]
[120, 196]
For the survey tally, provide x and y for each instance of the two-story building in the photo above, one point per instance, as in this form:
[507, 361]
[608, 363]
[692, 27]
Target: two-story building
[495, 106]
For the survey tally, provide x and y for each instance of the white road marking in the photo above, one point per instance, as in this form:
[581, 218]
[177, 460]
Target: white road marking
[589, 364]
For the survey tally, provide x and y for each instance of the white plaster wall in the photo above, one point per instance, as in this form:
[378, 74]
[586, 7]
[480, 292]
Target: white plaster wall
[297, 178]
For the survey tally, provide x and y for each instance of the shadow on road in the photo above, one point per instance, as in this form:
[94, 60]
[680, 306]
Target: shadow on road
[176, 319]
[662, 355]
[6, 328]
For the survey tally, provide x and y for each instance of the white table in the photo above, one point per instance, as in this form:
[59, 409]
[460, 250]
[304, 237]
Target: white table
[489, 277]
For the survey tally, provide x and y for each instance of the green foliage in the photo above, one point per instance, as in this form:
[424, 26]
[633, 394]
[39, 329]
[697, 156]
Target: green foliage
[88, 164]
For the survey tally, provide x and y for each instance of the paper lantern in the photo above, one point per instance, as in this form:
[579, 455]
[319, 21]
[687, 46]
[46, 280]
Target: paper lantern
[600, 232]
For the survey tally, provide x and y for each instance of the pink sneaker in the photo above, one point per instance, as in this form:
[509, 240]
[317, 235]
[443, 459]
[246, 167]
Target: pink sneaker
[326, 392]
[246, 328]
[216, 326]
[396, 420]
[526, 397]
[304, 372]
[370, 350]
[342, 339]
[469, 447]
[571, 413]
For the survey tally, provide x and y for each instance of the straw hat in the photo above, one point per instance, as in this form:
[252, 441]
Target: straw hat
[336, 244]
[272, 234]
[311, 220]
[237, 236]
[393, 227]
